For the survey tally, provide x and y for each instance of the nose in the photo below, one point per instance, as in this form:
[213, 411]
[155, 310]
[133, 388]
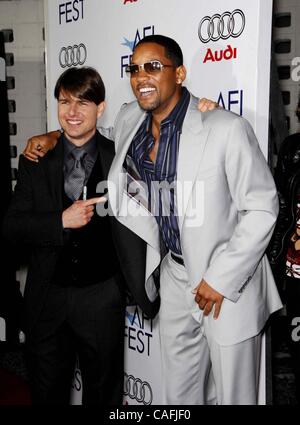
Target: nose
[72, 108]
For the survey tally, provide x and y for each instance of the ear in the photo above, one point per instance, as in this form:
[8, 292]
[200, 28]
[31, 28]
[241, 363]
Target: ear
[180, 74]
[100, 109]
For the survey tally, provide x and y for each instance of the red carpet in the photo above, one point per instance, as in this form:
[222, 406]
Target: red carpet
[13, 389]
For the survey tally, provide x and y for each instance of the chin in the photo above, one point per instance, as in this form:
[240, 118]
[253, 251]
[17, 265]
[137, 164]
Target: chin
[74, 131]
[149, 107]
[73, 135]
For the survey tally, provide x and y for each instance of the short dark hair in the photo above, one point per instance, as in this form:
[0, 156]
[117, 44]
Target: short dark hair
[172, 48]
[84, 83]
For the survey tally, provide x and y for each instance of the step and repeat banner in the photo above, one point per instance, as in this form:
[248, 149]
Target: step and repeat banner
[226, 47]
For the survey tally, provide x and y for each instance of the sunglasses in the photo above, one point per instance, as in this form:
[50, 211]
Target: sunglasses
[151, 67]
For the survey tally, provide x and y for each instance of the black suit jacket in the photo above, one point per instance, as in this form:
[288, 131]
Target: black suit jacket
[34, 219]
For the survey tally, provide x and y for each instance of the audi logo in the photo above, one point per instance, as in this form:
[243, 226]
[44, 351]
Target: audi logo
[72, 55]
[136, 389]
[229, 24]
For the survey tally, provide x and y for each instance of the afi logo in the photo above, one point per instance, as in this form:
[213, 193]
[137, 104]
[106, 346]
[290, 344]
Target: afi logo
[129, 1]
[138, 332]
[140, 33]
[233, 100]
[70, 11]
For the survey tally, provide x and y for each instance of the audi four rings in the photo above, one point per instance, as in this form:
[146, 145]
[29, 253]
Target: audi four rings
[136, 389]
[72, 55]
[229, 24]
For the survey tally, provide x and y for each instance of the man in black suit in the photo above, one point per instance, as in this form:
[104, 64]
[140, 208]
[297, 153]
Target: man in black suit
[75, 290]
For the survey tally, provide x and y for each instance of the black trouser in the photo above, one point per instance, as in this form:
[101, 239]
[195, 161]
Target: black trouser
[88, 322]
[293, 312]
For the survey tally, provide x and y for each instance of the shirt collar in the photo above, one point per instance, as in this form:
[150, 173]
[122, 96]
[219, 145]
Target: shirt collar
[90, 147]
[177, 114]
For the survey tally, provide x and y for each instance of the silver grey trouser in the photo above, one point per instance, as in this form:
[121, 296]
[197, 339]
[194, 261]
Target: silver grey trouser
[195, 368]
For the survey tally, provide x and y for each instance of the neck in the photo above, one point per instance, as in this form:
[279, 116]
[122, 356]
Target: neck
[155, 128]
[159, 114]
[80, 141]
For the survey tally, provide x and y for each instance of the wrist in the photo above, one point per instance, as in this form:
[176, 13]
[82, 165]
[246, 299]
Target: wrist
[64, 221]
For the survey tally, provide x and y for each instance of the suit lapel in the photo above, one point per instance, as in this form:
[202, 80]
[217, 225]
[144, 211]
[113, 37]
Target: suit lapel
[53, 168]
[106, 152]
[126, 209]
[191, 147]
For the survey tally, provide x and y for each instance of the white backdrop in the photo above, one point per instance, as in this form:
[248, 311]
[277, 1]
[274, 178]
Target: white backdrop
[226, 46]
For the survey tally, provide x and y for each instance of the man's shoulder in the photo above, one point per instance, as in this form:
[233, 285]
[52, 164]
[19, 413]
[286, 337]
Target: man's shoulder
[130, 108]
[105, 144]
[227, 122]
[103, 139]
[291, 142]
[221, 116]
[129, 112]
[216, 117]
[27, 164]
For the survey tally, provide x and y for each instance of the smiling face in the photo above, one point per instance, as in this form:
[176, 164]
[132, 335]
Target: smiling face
[160, 91]
[78, 117]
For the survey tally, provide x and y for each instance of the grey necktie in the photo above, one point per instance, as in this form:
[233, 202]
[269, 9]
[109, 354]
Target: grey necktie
[74, 179]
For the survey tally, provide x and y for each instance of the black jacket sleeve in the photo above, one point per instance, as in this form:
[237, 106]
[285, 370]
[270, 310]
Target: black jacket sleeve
[25, 222]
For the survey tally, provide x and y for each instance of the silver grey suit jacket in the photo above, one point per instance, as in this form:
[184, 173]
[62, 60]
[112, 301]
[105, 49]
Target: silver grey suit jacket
[227, 207]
